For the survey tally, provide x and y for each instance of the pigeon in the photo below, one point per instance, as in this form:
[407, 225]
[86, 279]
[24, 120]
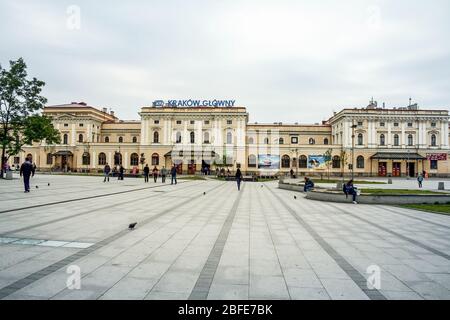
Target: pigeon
[132, 225]
[48, 184]
[295, 197]
[204, 193]
[37, 187]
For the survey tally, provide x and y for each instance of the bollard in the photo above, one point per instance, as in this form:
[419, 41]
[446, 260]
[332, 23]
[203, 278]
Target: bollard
[389, 181]
[8, 175]
[441, 186]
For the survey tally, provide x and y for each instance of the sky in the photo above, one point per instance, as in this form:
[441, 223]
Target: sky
[285, 61]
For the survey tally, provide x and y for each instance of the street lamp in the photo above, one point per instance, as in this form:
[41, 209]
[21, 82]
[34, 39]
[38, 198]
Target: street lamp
[353, 147]
[298, 163]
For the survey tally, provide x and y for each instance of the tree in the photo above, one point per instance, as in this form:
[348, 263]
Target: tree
[344, 161]
[20, 104]
[327, 157]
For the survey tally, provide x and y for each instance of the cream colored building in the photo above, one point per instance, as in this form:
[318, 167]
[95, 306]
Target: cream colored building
[377, 141]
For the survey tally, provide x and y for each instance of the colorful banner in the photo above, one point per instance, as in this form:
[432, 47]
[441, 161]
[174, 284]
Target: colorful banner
[267, 161]
[317, 162]
[436, 156]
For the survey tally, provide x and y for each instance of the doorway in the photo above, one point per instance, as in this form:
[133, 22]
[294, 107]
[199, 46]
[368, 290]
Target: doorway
[396, 169]
[192, 167]
[412, 169]
[382, 169]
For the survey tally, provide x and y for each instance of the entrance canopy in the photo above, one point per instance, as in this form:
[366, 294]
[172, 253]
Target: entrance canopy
[63, 153]
[397, 156]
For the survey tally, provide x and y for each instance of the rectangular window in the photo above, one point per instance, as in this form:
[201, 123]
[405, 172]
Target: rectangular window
[433, 164]
[156, 121]
[433, 124]
[381, 124]
[229, 121]
[395, 124]
[80, 124]
[360, 123]
[192, 122]
[206, 121]
[66, 124]
[409, 124]
[294, 140]
[178, 121]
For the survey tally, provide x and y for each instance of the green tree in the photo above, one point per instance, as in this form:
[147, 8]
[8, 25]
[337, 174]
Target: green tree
[344, 161]
[327, 157]
[20, 104]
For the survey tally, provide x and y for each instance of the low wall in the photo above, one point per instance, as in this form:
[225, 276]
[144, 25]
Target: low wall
[294, 187]
[335, 196]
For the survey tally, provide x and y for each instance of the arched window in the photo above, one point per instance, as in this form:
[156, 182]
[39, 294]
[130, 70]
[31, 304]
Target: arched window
[134, 159]
[281, 141]
[303, 162]
[410, 140]
[117, 159]
[206, 137]
[382, 140]
[229, 138]
[360, 162]
[285, 161]
[101, 159]
[86, 159]
[120, 139]
[178, 137]
[433, 140]
[312, 141]
[250, 140]
[192, 134]
[49, 158]
[134, 139]
[80, 138]
[336, 163]
[325, 141]
[360, 139]
[156, 137]
[107, 139]
[65, 139]
[252, 161]
[396, 140]
[155, 159]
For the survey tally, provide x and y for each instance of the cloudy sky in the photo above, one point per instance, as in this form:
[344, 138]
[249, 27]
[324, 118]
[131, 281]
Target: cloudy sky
[289, 61]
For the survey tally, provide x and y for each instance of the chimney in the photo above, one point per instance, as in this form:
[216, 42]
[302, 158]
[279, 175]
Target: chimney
[83, 103]
[384, 105]
[112, 113]
[105, 110]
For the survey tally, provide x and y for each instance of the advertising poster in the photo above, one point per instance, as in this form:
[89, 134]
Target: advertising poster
[316, 162]
[267, 161]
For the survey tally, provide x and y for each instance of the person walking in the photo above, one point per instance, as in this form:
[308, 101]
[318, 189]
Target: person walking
[106, 172]
[121, 171]
[349, 188]
[420, 180]
[27, 170]
[173, 173]
[146, 173]
[238, 178]
[163, 174]
[155, 174]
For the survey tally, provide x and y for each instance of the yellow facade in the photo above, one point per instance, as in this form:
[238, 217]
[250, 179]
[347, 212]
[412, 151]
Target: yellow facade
[377, 141]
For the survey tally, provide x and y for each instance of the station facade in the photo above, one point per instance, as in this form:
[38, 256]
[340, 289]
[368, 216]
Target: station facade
[371, 141]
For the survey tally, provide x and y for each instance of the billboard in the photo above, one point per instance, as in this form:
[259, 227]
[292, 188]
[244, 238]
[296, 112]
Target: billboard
[267, 161]
[317, 162]
[437, 156]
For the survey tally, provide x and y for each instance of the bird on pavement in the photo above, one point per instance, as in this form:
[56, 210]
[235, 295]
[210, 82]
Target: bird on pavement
[37, 187]
[295, 197]
[132, 225]
[48, 184]
[204, 193]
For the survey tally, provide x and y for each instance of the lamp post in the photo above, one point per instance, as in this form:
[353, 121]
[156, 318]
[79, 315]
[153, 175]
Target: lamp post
[298, 163]
[353, 148]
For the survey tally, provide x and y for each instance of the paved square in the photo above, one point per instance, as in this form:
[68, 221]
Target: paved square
[259, 243]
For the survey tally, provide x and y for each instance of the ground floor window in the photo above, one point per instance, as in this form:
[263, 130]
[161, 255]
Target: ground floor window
[86, 159]
[433, 164]
[303, 162]
[102, 159]
[49, 159]
[360, 162]
[155, 159]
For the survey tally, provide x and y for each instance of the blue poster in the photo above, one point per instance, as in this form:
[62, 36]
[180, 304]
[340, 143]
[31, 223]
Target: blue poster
[316, 162]
[267, 161]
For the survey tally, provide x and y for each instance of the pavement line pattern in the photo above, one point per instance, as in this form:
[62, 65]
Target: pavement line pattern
[204, 281]
[45, 242]
[22, 283]
[354, 274]
[80, 199]
[415, 218]
[415, 242]
[8, 233]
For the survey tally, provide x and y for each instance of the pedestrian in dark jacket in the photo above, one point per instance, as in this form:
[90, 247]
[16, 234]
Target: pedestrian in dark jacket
[146, 173]
[121, 172]
[309, 184]
[155, 174]
[238, 178]
[349, 188]
[173, 173]
[27, 171]
[106, 172]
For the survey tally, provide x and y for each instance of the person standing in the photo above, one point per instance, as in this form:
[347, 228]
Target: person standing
[155, 174]
[106, 172]
[27, 170]
[420, 180]
[121, 171]
[173, 173]
[146, 173]
[163, 174]
[238, 178]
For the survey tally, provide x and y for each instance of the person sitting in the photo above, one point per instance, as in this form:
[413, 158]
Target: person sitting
[349, 188]
[309, 185]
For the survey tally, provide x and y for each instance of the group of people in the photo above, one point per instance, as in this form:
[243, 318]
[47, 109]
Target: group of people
[348, 188]
[155, 173]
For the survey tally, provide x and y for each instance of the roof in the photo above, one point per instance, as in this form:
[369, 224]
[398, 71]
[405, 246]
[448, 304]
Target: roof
[397, 156]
